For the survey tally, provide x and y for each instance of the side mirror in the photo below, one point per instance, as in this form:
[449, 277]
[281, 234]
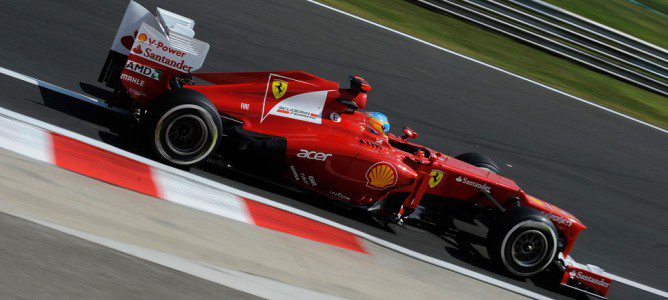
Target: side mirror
[354, 98]
[409, 133]
[359, 83]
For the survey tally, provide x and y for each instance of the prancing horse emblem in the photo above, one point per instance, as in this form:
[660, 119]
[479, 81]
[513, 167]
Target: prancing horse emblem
[278, 88]
[435, 178]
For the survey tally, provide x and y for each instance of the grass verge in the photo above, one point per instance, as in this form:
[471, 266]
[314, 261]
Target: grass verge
[625, 16]
[511, 55]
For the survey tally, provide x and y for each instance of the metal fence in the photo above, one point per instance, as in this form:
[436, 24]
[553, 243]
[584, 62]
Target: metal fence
[567, 35]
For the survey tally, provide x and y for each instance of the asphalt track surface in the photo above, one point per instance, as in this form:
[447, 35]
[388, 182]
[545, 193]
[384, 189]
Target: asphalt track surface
[607, 170]
[41, 263]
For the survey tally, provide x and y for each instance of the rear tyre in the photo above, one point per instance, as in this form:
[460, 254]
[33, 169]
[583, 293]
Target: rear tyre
[480, 161]
[522, 241]
[183, 128]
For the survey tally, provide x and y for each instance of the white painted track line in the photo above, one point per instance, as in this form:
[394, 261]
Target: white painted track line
[488, 65]
[637, 285]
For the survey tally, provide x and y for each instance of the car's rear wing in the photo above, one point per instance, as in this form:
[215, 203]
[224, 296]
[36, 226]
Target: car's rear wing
[151, 47]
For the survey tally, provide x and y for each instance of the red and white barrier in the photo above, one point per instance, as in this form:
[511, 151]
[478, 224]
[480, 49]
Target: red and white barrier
[161, 182]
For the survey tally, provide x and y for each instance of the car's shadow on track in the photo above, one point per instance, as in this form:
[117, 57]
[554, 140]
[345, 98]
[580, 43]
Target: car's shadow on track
[115, 122]
[462, 245]
[458, 244]
[97, 92]
[469, 248]
[303, 197]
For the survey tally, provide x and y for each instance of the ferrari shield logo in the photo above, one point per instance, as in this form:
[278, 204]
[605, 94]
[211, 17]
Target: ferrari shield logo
[278, 88]
[435, 179]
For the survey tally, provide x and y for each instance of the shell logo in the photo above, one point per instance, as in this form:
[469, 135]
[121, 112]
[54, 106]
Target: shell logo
[537, 202]
[381, 175]
[142, 37]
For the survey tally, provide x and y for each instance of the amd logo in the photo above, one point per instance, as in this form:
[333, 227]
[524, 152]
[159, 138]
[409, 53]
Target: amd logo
[321, 156]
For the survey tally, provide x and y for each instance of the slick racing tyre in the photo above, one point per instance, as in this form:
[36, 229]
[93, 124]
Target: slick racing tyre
[480, 161]
[522, 241]
[183, 128]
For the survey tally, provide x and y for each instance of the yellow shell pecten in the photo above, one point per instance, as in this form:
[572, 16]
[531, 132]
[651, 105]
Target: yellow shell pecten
[381, 176]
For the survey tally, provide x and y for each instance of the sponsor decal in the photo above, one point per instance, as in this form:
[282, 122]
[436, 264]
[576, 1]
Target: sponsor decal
[304, 107]
[137, 50]
[581, 276]
[321, 156]
[178, 65]
[297, 112]
[540, 203]
[128, 78]
[245, 106]
[136, 92]
[159, 45]
[534, 200]
[142, 37]
[134, 16]
[563, 212]
[435, 179]
[158, 51]
[143, 70]
[294, 173]
[311, 180]
[481, 186]
[339, 195]
[128, 40]
[381, 176]
[558, 219]
[335, 117]
[303, 176]
[307, 180]
[279, 87]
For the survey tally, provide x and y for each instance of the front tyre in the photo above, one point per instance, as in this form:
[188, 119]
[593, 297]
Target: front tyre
[183, 128]
[523, 241]
[480, 161]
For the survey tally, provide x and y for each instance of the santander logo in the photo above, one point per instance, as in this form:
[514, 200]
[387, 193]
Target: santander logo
[579, 275]
[137, 50]
[466, 181]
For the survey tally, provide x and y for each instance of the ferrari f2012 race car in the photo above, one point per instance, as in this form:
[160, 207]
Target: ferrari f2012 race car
[314, 134]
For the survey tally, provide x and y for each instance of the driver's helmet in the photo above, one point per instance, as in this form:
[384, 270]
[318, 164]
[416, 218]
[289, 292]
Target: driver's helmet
[377, 122]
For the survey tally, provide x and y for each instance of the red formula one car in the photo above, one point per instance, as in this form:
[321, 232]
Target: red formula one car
[314, 134]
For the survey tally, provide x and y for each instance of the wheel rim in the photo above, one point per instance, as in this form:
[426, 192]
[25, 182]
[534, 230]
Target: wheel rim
[186, 134]
[529, 248]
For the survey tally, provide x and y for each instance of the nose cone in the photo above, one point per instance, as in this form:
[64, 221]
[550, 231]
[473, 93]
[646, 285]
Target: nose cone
[559, 217]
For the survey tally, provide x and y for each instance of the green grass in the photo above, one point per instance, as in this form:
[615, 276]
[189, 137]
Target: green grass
[625, 16]
[510, 55]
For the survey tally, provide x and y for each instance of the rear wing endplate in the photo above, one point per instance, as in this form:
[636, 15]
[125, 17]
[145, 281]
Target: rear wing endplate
[168, 40]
